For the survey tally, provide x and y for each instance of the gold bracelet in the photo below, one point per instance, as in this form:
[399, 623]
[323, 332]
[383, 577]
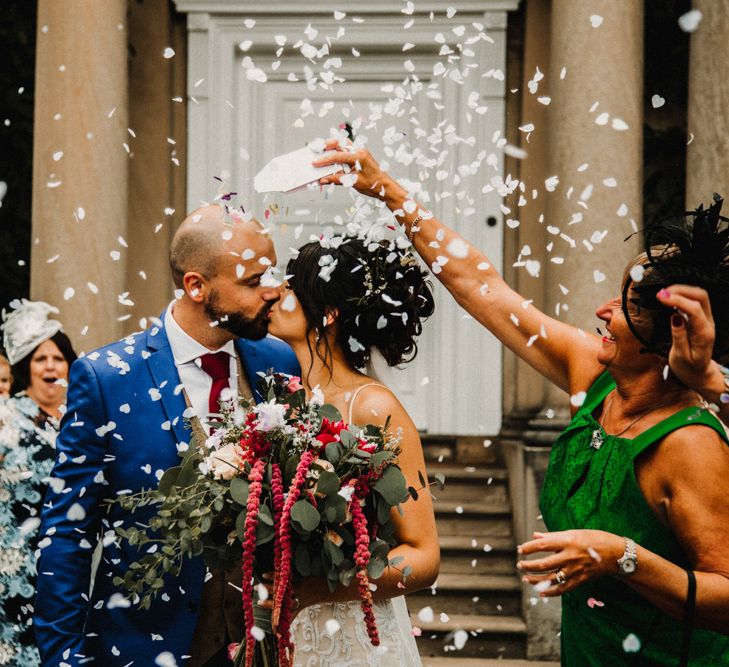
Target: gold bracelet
[412, 228]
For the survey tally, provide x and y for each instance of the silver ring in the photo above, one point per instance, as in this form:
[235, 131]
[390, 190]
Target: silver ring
[560, 578]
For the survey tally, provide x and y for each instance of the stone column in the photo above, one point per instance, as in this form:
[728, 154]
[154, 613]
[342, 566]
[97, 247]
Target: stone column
[595, 146]
[80, 165]
[157, 74]
[707, 159]
[524, 388]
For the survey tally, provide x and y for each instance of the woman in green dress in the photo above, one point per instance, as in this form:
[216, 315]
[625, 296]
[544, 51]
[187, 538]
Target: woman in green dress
[635, 494]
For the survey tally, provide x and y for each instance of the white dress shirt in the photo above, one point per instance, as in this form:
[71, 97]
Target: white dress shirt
[187, 352]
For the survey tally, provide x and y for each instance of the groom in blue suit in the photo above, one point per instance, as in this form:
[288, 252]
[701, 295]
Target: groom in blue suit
[129, 406]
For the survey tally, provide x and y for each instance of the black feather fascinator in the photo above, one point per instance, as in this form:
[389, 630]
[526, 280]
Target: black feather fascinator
[692, 249]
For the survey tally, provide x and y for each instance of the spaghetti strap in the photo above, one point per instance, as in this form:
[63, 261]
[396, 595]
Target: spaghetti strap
[356, 393]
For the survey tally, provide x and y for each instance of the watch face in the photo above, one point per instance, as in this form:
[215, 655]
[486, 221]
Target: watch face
[628, 566]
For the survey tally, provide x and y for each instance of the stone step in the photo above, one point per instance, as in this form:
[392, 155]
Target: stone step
[468, 555]
[485, 636]
[453, 472]
[457, 593]
[473, 623]
[484, 662]
[471, 508]
[475, 450]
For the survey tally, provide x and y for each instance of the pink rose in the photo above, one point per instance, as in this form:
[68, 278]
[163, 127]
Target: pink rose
[232, 651]
[294, 384]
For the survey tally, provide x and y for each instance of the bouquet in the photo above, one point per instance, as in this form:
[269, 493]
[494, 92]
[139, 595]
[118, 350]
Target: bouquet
[286, 487]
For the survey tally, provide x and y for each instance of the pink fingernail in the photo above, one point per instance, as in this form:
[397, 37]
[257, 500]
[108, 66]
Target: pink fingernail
[664, 293]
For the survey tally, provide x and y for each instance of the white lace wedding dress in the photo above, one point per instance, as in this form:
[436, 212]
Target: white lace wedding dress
[334, 634]
[348, 644]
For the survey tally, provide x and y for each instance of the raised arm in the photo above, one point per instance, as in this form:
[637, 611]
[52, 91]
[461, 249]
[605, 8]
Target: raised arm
[692, 328]
[562, 353]
[70, 522]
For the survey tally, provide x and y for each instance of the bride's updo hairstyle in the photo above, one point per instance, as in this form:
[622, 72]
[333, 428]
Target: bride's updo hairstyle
[377, 292]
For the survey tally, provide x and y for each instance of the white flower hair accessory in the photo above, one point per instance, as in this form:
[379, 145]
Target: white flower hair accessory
[26, 326]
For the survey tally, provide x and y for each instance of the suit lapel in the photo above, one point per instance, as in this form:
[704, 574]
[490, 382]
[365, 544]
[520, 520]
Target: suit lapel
[167, 380]
[251, 366]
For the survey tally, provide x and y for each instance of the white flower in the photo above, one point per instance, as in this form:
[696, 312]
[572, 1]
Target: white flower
[213, 441]
[225, 462]
[317, 396]
[346, 492]
[270, 416]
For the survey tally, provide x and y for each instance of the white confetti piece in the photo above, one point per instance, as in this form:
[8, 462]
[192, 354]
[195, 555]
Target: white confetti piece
[425, 615]
[257, 633]
[620, 125]
[596, 20]
[165, 659]
[578, 399]
[57, 156]
[631, 644]
[603, 118]
[637, 273]
[689, 21]
[68, 293]
[598, 276]
[460, 637]
[169, 52]
[76, 513]
[332, 626]
[657, 101]
[118, 601]
[458, 248]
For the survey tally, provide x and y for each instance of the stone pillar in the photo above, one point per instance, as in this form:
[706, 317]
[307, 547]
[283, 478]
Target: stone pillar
[80, 165]
[595, 146]
[707, 164]
[524, 388]
[157, 77]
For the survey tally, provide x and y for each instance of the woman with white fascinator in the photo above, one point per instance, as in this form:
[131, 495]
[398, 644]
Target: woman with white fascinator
[40, 355]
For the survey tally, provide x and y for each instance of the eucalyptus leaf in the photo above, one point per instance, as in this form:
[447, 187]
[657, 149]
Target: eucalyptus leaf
[328, 483]
[239, 490]
[305, 516]
[264, 533]
[264, 515]
[333, 452]
[392, 486]
[330, 412]
[168, 480]
[375, 568]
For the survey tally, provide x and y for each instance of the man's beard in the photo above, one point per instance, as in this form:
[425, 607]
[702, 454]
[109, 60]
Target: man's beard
[236, 323]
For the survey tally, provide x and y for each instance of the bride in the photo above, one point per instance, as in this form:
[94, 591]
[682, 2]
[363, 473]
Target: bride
[344, 299]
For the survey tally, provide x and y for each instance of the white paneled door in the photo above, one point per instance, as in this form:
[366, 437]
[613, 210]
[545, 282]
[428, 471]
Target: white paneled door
[428, 98]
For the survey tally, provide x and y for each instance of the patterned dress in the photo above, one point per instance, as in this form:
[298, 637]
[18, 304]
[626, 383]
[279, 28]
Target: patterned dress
[27, 453]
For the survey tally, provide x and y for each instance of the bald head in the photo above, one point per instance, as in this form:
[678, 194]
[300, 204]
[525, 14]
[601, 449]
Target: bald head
[207, 235]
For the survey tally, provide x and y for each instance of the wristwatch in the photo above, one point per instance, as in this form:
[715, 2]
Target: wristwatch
[628, 563]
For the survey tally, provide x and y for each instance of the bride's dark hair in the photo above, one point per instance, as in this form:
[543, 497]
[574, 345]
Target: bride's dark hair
[378, 292]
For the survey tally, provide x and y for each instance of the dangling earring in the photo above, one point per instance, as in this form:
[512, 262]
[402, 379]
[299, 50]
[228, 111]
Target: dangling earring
[317, 335]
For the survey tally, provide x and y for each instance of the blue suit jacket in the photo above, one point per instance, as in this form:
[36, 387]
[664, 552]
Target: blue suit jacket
[124, 424]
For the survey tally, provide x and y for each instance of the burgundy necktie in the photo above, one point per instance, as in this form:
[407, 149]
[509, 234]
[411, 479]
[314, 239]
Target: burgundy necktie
[217, 366]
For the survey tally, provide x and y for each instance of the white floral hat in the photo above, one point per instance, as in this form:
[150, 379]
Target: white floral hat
[26, 326]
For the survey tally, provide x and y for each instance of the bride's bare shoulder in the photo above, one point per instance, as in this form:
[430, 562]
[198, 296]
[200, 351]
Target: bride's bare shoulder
[373, 403]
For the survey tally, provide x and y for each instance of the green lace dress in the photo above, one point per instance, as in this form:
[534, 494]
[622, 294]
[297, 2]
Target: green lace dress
[605, 622]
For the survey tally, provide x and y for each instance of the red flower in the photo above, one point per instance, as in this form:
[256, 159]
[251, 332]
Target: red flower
[329, 431]
[366, 446]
